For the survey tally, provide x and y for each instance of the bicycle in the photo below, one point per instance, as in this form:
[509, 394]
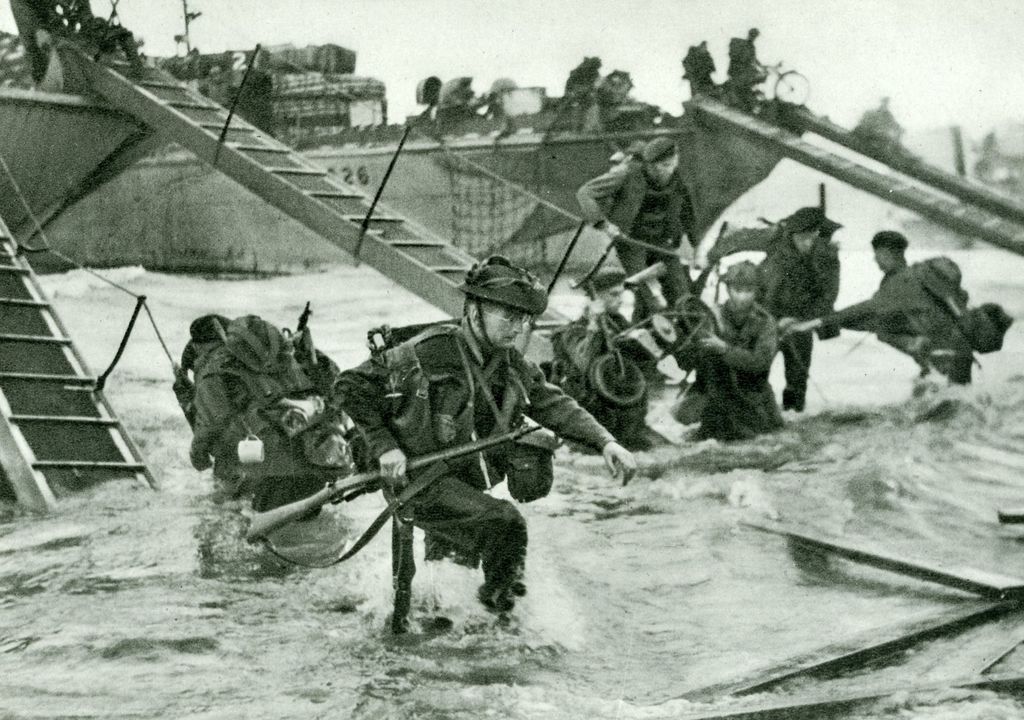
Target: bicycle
[788, 86]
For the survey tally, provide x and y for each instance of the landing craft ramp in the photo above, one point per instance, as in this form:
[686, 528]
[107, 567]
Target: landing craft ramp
[405, 253]
[936, 206]
[958, 187]
[57, 432]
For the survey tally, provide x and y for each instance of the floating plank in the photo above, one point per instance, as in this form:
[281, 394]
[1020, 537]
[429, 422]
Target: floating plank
[1011, 516]
[986, 584]
[829, 702]
[997, 456]
[858, 649]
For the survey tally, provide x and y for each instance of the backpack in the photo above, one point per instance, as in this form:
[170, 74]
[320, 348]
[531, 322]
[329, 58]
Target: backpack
[281, 396]
[984, 326]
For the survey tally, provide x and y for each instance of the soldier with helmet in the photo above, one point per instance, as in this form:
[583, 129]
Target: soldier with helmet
[456, 381]
[734, 363]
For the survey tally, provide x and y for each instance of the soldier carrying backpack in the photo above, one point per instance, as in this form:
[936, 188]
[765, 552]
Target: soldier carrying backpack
[923, 311]
[258, 410]
[459, 381]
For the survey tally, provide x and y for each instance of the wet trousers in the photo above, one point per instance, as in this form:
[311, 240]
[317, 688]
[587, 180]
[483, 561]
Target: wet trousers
[796, 358]
[675, 283]
[476, 524]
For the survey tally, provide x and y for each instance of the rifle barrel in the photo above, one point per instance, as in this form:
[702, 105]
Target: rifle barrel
[266, 522]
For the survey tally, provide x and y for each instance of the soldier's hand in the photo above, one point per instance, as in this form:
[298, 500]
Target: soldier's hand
[392, 467]
[620, 461]
[713, 343]
[200, 459]
[785, 324]
[798, 327]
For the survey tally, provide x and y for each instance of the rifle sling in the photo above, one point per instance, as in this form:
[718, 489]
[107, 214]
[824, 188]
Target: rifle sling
[428, 476]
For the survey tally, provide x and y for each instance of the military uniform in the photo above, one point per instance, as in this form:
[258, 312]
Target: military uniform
[902, 313]
[447, 386]
[661, 216]
[739, 402]
[800, 285]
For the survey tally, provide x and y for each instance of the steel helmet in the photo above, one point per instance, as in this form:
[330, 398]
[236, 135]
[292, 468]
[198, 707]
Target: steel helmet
[498, 281]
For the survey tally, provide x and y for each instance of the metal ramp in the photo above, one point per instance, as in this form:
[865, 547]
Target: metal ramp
[956, 215]
[406, 253]
[57, 433]
[916, 168]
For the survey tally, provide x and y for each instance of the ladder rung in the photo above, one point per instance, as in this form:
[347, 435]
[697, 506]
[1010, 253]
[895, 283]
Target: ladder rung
[46, 339]
[416, 243]
[73, 419]
[295, 171]
[159, 84]
[89, 464]
[40, 377]
[334, 194]
[259, 148]
[193, 105]
[375, 218]
[220, 126]
[14, 269]
[23, 302]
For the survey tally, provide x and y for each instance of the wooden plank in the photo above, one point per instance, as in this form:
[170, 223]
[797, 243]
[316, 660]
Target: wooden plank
[971, 192]
[828, 702]
[922, 200]
[987, 584]
[993, 455]
[856, 650]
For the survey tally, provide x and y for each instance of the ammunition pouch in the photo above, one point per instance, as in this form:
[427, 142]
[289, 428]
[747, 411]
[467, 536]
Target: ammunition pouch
[530, 466]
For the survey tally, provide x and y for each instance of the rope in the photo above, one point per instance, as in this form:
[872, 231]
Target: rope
[48, 248]
[101, 381]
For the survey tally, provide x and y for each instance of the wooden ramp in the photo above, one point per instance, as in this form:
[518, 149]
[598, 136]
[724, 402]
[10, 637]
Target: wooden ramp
[966, 190]
[425, 264]
[929, 203]
[57, 433]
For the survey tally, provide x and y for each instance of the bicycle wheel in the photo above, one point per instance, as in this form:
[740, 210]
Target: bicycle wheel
[792, 87]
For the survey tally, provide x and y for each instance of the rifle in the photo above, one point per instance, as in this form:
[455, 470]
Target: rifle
[343, 488]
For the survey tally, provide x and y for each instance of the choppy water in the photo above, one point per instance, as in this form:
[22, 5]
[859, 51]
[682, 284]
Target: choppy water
[130, 603]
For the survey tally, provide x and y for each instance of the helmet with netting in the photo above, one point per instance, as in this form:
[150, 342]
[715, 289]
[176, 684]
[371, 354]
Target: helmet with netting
[498, 281]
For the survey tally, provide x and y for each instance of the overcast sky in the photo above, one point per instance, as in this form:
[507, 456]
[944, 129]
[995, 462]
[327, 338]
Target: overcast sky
[941, 61]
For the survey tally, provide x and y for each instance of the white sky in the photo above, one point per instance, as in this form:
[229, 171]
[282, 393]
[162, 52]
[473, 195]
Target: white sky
[941, 61]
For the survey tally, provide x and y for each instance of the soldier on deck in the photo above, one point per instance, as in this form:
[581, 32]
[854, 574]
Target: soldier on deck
[734, 361]
[745, 71]
[456, 381]
[647, 201]
[698, 66]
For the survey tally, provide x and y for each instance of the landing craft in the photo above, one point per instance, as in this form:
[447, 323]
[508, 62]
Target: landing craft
[136, 113]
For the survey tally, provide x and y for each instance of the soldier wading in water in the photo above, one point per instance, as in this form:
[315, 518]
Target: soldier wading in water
[451, 383]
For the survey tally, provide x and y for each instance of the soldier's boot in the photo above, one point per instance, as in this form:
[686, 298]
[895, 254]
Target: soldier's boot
[793, 400]
[497, 599]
